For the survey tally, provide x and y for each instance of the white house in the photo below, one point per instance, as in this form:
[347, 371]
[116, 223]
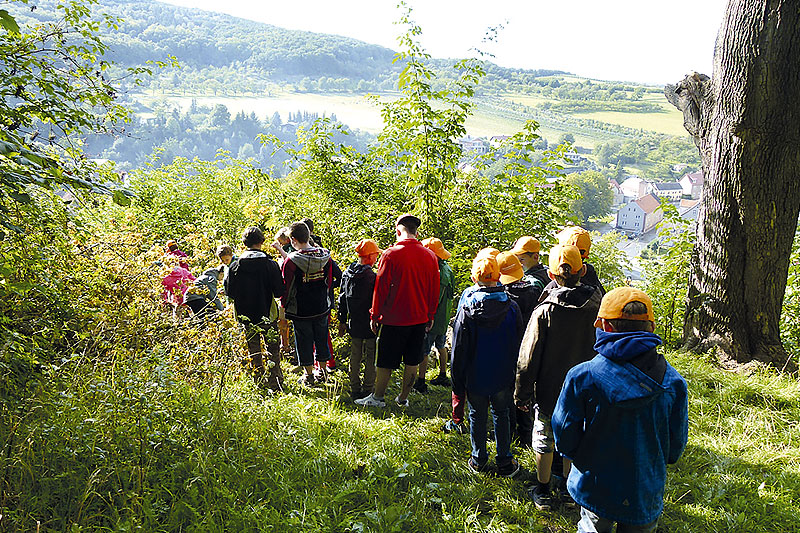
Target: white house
[633, 188]
[473, 144]
[619, 196]
[640, 216]
[692, 184]
[669, 190]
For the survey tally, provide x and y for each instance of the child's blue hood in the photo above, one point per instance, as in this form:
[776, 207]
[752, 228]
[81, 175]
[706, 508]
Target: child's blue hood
[625, 346]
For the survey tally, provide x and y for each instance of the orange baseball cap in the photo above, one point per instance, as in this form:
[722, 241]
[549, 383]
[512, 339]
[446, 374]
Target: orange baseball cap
[485, 269]
[614, 301]
[576, 236]
[510, 267]
[435, 245]
[526, 245]
[366, 247]
[487, 252]
[565, 254]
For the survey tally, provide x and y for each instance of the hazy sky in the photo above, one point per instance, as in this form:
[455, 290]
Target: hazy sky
[632, 40]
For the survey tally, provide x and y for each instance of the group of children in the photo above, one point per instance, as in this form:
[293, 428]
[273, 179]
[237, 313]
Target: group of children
[585, 364]
[563, 367]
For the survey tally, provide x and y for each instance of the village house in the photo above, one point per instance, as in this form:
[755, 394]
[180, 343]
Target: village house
[692, 184]
[473, 144]
[619, 196]
[669, 190]
[640, 216]
[633, 188]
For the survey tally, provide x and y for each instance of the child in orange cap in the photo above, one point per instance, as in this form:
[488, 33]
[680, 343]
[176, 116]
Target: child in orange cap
[355, 298]
[526, 295]
[622, 417]
[436, 336]
[580, 238]
[527, 250]
[486, 337]
[560, 334]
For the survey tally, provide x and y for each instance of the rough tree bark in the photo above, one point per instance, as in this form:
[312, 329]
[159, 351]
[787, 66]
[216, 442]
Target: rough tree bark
[746, 123]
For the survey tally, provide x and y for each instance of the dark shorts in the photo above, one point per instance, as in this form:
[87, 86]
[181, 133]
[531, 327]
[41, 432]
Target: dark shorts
[399, 343]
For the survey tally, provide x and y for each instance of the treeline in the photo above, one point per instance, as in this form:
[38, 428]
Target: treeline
[201, 131]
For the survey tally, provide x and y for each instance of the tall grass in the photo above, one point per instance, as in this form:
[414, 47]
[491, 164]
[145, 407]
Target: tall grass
[137, 446]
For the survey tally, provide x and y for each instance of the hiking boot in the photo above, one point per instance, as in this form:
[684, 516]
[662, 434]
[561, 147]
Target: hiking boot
[401, 403]
[420, 386]
[477, 466]
[442, 380]
[509, 469]
[307, 380]
[541, 496]
[370, 401]
[452, 427]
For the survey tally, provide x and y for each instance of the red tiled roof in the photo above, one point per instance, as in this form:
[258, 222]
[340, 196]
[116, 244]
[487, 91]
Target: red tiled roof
[648, 203]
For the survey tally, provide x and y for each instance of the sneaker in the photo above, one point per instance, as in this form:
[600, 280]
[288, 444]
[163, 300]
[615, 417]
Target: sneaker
[509, 469]
[370, 401]
[542, 497]
[441, 380]
[307, 380]
[477, 466]
[401, 403]
[321, 376]
[332, 367]
[452, 427]
[420, 386]
[564, 496]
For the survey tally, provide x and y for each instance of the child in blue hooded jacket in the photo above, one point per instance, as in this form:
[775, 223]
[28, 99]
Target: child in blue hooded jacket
[486, 337]
[621, 418]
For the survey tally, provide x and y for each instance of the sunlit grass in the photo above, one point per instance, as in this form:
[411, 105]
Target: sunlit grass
[138, 446]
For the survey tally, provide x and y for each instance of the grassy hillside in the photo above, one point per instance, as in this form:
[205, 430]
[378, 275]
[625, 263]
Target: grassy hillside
[143, 445]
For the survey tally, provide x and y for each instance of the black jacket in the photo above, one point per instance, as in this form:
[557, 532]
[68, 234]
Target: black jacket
[355, 299]
[526, 295]
[590, 278]
[254, 281]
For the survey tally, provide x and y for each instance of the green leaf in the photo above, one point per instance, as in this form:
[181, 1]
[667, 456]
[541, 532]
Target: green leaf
[120, 198]
[8, 22]
[21, 197]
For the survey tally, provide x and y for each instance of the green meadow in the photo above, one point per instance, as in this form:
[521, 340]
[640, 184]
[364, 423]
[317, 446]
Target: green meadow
[139, 446]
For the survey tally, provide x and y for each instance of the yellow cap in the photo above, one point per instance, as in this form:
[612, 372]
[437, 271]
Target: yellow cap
[526, 245]
[576, 236]
[567, 254]
[510, 267]
[485, 269]
[435, 245]
[615, 301]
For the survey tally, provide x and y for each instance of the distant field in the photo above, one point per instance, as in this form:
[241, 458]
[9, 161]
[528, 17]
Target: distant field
[359, 113]
[668, 122]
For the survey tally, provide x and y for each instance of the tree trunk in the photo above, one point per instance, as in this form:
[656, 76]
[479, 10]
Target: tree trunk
[746, 124]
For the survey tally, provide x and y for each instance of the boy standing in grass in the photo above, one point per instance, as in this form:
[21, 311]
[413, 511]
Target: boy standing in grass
[526, 295]
[308, 275]
[560, 335]
[486, 338]
[621, 418]
[254, 281]
[355, 299]
[436, 336]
